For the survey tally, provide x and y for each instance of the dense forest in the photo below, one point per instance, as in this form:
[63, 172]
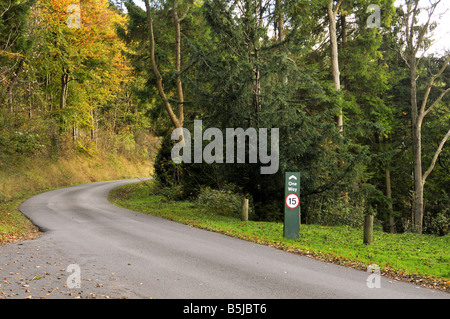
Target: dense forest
[361, 104]
[67, 113]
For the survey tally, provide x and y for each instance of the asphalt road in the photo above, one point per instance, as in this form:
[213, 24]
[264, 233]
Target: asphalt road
[126, 254]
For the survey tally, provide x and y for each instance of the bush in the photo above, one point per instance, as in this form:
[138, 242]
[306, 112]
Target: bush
[172, 193]
[437, 225]
[86, 146]
[272, 211]
[339, 214]
[223, 202]
[167, 173]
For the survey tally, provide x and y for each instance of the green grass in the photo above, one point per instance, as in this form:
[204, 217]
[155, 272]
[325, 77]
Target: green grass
[416, 258]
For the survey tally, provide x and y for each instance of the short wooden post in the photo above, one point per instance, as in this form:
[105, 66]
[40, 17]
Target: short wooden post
[368, 229]
[244, 216]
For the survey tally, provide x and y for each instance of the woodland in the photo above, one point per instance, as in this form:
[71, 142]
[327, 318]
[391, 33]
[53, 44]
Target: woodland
[361, 101]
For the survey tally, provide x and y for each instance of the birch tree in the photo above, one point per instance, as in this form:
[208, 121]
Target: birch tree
[332, 10]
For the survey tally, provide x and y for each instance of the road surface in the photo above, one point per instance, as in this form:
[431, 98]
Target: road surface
[125, 254]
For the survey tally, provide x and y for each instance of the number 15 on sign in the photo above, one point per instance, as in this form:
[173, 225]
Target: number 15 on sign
[292, 201]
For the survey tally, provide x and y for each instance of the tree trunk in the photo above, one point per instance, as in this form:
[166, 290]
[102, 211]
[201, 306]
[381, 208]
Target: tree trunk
[93, 126]
[159, 81]
[177, 25]
[257, 103]
[344, 34]
[418, 181]
[280, 21]
[416, 127]
[257, 89]
[390, 206]
[344, 41]
[332, 14]
[75, 132]
[64, 88]
[332, 17]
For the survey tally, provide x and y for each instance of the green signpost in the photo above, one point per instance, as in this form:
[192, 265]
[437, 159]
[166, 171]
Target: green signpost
[291, 205]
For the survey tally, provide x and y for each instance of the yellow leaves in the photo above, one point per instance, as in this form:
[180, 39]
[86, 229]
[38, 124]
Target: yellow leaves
[92, 53]
[11, 55]
[97, 20]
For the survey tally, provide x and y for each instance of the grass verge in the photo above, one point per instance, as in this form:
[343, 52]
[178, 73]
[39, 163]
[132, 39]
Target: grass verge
[420, 259]
[14, 226]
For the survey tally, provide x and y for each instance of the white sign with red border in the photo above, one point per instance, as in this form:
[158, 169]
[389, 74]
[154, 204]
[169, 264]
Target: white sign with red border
[292, 201]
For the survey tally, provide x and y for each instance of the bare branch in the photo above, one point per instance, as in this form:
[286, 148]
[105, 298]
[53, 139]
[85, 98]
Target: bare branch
[425, 27]
[9, 7]
[184, 15]
[410, 28]
[336, 9]
[435, 103]
[430, 86]
[405, 59]
[435, 157]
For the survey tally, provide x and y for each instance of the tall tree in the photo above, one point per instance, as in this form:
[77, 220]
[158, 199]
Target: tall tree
[417, 41]
[332, 10]
[178, 16]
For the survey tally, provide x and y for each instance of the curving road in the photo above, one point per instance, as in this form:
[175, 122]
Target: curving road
[122, 253]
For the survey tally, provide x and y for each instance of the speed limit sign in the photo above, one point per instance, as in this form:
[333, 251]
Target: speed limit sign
[291, 226]
[292, 201]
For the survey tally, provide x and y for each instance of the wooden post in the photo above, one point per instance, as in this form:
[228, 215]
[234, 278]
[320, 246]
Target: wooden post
[368, 229]
[244, 216]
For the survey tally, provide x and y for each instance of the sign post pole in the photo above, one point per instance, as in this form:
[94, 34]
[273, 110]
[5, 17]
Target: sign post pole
[291, 227]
